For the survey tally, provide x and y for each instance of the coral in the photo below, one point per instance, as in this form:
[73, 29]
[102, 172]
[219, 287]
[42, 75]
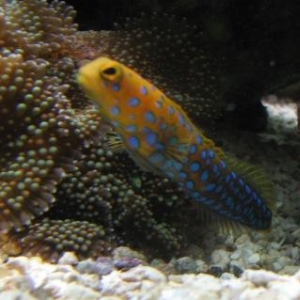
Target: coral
[49, 238]
[39, 29]
[39, 129]
[38, 132]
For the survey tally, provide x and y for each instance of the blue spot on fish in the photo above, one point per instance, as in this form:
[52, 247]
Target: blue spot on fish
[195, 166]
[189, 184]
[115, 110]
[130, 128]
[171, 110]
[182, 175]
[133, 142]
[199, 140]
[177, 166]
[210, 187]
[151, 138]
[181, 119]
[193, 149]
[233, 175]
[163, 126]
[211, 154]
[204, 176]
[222, 164]
[203, 154]
[159, 104]
[133, 102]
[247, 189]
[115, 87]
[150, 117]
[195, 194]
[228, 178]
[160, 146]
[144, 90]
[216, 170]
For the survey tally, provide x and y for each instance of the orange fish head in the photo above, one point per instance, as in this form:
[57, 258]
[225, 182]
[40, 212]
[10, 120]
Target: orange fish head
[98, 77]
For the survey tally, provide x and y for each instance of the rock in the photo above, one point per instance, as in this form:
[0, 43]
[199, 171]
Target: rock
[216, 271]
[77, 292]
[127, 263]
[289, 270]
[254, 259]
[112, 284]
[242, 240]
[143, 273]
[276, 266]
[103, 266]
[124, 258]
[221, 258]
[186, 265]
[288, 289]
[16, 295]
[121, 252]
[260, 277]
[236, 269]
[68, 258]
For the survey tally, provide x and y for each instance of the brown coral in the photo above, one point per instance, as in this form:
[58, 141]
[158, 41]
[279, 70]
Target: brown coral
[39, 129]
[37, 28]
[50, 238]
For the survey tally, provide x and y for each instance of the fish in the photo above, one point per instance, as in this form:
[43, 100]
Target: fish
[161, 138]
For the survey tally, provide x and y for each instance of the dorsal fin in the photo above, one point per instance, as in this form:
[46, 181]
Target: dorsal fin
[222, 225]
[114, 142]
[255, 177]
[177, 150]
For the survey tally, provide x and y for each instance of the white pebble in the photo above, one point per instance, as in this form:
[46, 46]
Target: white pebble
[254, 259]
[260, 277]
[143, 273]
[16, 295]
[68, 258]
[220, 257]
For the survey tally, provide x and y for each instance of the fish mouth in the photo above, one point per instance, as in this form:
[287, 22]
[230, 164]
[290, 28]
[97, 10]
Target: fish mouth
[83, 82]
[82, 79]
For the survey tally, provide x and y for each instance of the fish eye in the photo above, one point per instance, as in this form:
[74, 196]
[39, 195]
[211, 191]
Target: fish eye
[110, 71]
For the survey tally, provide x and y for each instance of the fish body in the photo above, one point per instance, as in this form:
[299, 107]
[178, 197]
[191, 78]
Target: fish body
[161, 138]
